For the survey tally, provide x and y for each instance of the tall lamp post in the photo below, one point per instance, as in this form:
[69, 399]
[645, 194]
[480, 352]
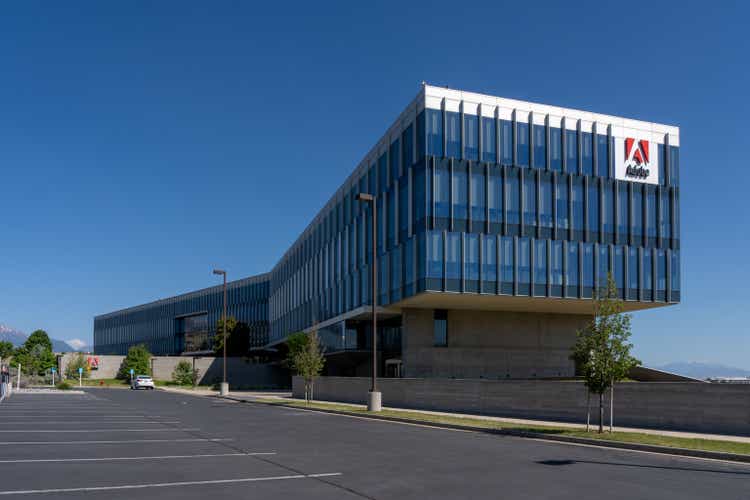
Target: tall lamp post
[374, 399]
[224, 383]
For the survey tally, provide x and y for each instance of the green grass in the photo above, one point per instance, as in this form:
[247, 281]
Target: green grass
[619, 436]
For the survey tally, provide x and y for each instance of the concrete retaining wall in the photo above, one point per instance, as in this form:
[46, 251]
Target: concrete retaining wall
[697, 407]
[240, 372]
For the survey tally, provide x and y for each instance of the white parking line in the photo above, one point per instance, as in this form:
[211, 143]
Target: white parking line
[164, 485]
[110, 459]
[89, 422]
[121, 441]
[38, 431]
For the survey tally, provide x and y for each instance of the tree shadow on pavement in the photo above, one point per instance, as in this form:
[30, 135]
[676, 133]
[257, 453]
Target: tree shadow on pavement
[644, 466]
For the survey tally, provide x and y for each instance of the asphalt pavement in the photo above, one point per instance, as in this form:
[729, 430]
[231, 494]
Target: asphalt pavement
[117, 444]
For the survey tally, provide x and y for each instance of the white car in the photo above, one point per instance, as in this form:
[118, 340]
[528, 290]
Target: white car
[142, 382]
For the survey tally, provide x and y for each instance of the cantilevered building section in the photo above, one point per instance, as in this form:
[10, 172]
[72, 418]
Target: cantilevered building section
[497, 220]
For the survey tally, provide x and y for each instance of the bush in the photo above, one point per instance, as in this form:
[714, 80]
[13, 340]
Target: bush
[78, 361]
[139, 359]
[64, 386]
[183, 373]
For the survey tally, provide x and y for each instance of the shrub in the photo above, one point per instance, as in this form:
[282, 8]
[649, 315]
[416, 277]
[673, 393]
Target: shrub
[78, 361]
[139, 359]
[183, 373]
[64, 386]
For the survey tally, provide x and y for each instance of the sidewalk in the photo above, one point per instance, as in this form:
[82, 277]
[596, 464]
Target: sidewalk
[287, 396]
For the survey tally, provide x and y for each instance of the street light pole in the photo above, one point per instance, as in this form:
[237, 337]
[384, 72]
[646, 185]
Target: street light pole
[374, 400]
[224, 384]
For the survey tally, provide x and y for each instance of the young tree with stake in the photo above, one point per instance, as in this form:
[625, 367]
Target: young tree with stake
[602, 350]
[309, 361]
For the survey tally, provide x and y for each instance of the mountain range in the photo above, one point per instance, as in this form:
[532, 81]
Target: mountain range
[17, 338]
[703, 370]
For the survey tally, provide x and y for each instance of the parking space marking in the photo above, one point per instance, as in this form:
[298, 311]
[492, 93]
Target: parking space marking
[166, 485]
[113, 459]
[123, 441]
[39, 431]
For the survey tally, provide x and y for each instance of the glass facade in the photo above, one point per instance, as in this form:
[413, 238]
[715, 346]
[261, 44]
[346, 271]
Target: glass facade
[473, 203]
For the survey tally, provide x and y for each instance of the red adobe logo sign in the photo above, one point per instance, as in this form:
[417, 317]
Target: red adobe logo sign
[636, 158]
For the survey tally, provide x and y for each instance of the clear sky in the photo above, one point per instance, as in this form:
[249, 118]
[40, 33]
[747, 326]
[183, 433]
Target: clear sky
[143, 143]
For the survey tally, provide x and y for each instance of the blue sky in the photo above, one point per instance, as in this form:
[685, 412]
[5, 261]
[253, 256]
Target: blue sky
[143, 143]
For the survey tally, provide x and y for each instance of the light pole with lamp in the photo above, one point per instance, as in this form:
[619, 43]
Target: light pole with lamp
[374, 399]
[224, 384]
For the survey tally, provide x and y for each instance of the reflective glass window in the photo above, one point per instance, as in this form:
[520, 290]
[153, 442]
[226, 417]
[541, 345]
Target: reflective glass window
[648, 272]
[460, 191]
[661, 271]
[608, 199]
[633, 268]
[471, 137]
[514, 198]
[623, 211]
[522, 144]
[419, 200]
[619, 273]
[434, 119]
[471, 259]
[578, 208]
[674, 166]
[588, 267]
[507, 259]
[477, 186]
[571, 266]
[571, 151]
[489, 137]
[453, 260]
[555, 149]
[556, 263]
[524, 261]
[395, 160]
[603, 265]
[675, 271]
[529, 199]
[540, 146]
[407, 147]
[453, 134]
[665, 220]
[495, 196]
[593, 208]
[587, 153]
[637, 210]
[506, 142]
[602, 155]
[545, 200]
[662, 160]
[382, 173]
[435, 254]
[403, 206]
[540, 262]
[562, 202]
[442, 190]
[489, 258]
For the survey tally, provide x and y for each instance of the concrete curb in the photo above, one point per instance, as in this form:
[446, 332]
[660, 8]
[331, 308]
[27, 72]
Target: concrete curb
[650, 448]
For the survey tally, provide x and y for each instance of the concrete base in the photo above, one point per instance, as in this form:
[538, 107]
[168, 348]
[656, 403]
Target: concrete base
[224, 389]
[374, 401]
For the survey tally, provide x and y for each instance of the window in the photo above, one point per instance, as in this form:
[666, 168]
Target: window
[603, 264]
[662, 161]
[602, 155]
[633, 273]
[555, 149]
[434, 120]
[529, 199]
[608, 202]
[561, 189]
[571, 151]
[421, 135]
[620, 270]
[453, 134]
[394, 157]
[507, 263]
[674, 278]
[545, 201]
[637, 212]
[540, 267]
[471, 136]
[495, 199]
[420, 190]
[489, 147]
[648, 274]
[471, 262]
[661, 274]
[382, 173]
[524, 265]
[440, 330]
[571, 270]
[665, 221]
[477, 185]
[623, 212]
[514, 200]
[506, 142]
[489, 259]
[403, 207]
[556, 267]
[396, 273]
[522, 140]
[588, 270]
[460, 191]
[540, 146]
[578, 201]
[587, 153]
[435, 258]
[593, 209]
[442, 190]
[391, 228]
[407, 147]
[453, 261]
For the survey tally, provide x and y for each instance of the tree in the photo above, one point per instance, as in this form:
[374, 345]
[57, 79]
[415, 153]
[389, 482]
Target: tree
[35, 355]
[309, 362]
[184, 374]
[6, 350]
[238, 338]
[78, 361]
[602, 349]
[295, 344]
[139, 359]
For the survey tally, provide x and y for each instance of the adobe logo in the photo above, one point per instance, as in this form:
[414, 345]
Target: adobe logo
[636, 158]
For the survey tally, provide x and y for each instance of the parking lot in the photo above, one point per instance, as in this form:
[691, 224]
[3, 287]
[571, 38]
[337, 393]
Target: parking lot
[110, 443]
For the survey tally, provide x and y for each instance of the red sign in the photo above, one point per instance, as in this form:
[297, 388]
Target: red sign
[637, 154]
